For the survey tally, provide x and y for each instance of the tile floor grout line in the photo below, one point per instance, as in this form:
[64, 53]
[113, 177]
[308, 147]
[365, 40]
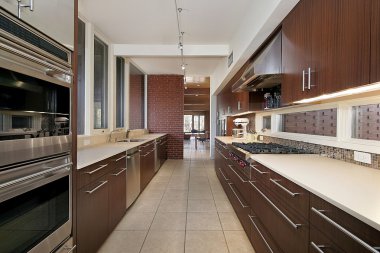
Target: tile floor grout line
[155, 213]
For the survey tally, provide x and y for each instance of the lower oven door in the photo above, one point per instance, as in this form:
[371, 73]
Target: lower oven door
[35, 210]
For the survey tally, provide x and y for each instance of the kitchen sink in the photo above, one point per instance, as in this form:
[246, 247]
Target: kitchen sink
[132, 140]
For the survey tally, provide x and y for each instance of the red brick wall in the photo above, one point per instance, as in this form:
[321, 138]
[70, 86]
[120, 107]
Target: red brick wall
[136, 101]
[165, 110]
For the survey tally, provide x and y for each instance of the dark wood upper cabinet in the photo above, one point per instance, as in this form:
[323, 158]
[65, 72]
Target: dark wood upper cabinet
[340, 44]
[375, 41]
[296, 51]
[326, 47]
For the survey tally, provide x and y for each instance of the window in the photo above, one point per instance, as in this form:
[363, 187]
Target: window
[100, 84]
[187, 123]
[120, 64]
[365, 122]
[81, 77]
[196, 122]
[267, 122]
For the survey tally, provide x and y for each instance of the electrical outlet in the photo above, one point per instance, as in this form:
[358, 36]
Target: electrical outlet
[261, 137]
[362, 157]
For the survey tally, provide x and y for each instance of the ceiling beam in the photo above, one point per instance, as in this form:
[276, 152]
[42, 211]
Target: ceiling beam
[134, 50]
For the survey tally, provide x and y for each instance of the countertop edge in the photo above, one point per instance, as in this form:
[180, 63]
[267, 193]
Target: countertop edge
[113, 149]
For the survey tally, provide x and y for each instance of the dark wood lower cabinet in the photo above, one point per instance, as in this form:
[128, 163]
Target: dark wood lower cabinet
[282, 217]
[117, 196]
[92, 213]
[101, 204]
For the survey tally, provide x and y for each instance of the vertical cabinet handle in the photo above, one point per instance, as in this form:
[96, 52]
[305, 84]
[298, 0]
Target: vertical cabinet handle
[303, 80]
[309, 78]
[317, 247]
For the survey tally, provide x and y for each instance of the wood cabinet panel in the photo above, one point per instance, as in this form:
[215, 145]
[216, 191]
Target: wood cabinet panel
[375, 41]
[330, 220]
[260, 238]
[340, 44]
[117, 195]
[296, 51]
[92, 212]
[291, 232]
[318, 241]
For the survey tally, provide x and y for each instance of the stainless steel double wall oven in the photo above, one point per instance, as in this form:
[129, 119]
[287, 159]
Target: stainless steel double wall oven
[35, 139]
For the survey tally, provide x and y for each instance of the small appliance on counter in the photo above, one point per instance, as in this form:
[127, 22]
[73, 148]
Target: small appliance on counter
[242, 122]
[237, 133]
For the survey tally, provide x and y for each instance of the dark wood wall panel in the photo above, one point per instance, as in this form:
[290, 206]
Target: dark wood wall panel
[321, 122]
[366, 122]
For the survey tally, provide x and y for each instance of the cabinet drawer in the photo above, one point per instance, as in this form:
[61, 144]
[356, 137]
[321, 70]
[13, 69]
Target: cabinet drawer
[260, 173]
[347, 232]
[94, 171]
[240, 181]
[147, 147]
[320, 243]
[290, 231]
[240, 206]
[290, 194]
[260, 238]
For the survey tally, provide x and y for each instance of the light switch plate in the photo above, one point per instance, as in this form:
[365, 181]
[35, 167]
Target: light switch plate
[362, 157]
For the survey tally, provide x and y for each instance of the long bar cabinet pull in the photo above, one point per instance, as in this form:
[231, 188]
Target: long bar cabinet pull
[276, 182]
[97, 187]
[225, 178]
[294, 225]
[241, 179]
[121, 171]
[309, 78]
[345, 231]
[261, 235]
[95, 170]
[317, 247]
[233, 191]
[261, 172]
[118, 159]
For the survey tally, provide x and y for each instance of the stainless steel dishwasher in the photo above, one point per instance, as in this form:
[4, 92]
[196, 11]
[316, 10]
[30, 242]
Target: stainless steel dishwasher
[133, 175]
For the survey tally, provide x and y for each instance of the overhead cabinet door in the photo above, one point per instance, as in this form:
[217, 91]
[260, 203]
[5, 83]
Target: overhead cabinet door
[326, 47]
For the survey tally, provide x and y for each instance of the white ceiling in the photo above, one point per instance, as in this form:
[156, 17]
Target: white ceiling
[154, 21]
[211, 22]
[238, 25]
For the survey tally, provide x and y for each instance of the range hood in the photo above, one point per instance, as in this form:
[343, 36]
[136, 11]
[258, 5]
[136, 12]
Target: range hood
[264, 71]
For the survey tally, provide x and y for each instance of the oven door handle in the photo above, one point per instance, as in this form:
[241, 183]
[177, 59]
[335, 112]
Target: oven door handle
[35, 175]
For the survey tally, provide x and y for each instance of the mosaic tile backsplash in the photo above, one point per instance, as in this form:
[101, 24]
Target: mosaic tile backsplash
[346, 155]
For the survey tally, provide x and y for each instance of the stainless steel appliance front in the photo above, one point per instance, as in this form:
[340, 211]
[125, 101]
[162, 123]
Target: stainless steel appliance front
[34, 94]
[133, 175]
[35, 206]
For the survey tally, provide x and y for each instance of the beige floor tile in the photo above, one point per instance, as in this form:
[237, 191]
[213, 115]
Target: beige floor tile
[150, 193]
[124, 242]
[169, 221]
[136, 221]
[205, 242]
[201, 193]
[159, 178]
[230, 221]
[219, 194]
[164, 242]
[223, 205]
[145, 205]
[238, 242]
[203, 221]
[173, 205]
[201, 205]
[174, 194]
[178, 185]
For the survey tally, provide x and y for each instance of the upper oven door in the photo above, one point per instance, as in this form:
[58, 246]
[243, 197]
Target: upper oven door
[34, 114]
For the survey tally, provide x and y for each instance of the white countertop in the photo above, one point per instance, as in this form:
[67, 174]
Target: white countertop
[92, 154]
[353, 188]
